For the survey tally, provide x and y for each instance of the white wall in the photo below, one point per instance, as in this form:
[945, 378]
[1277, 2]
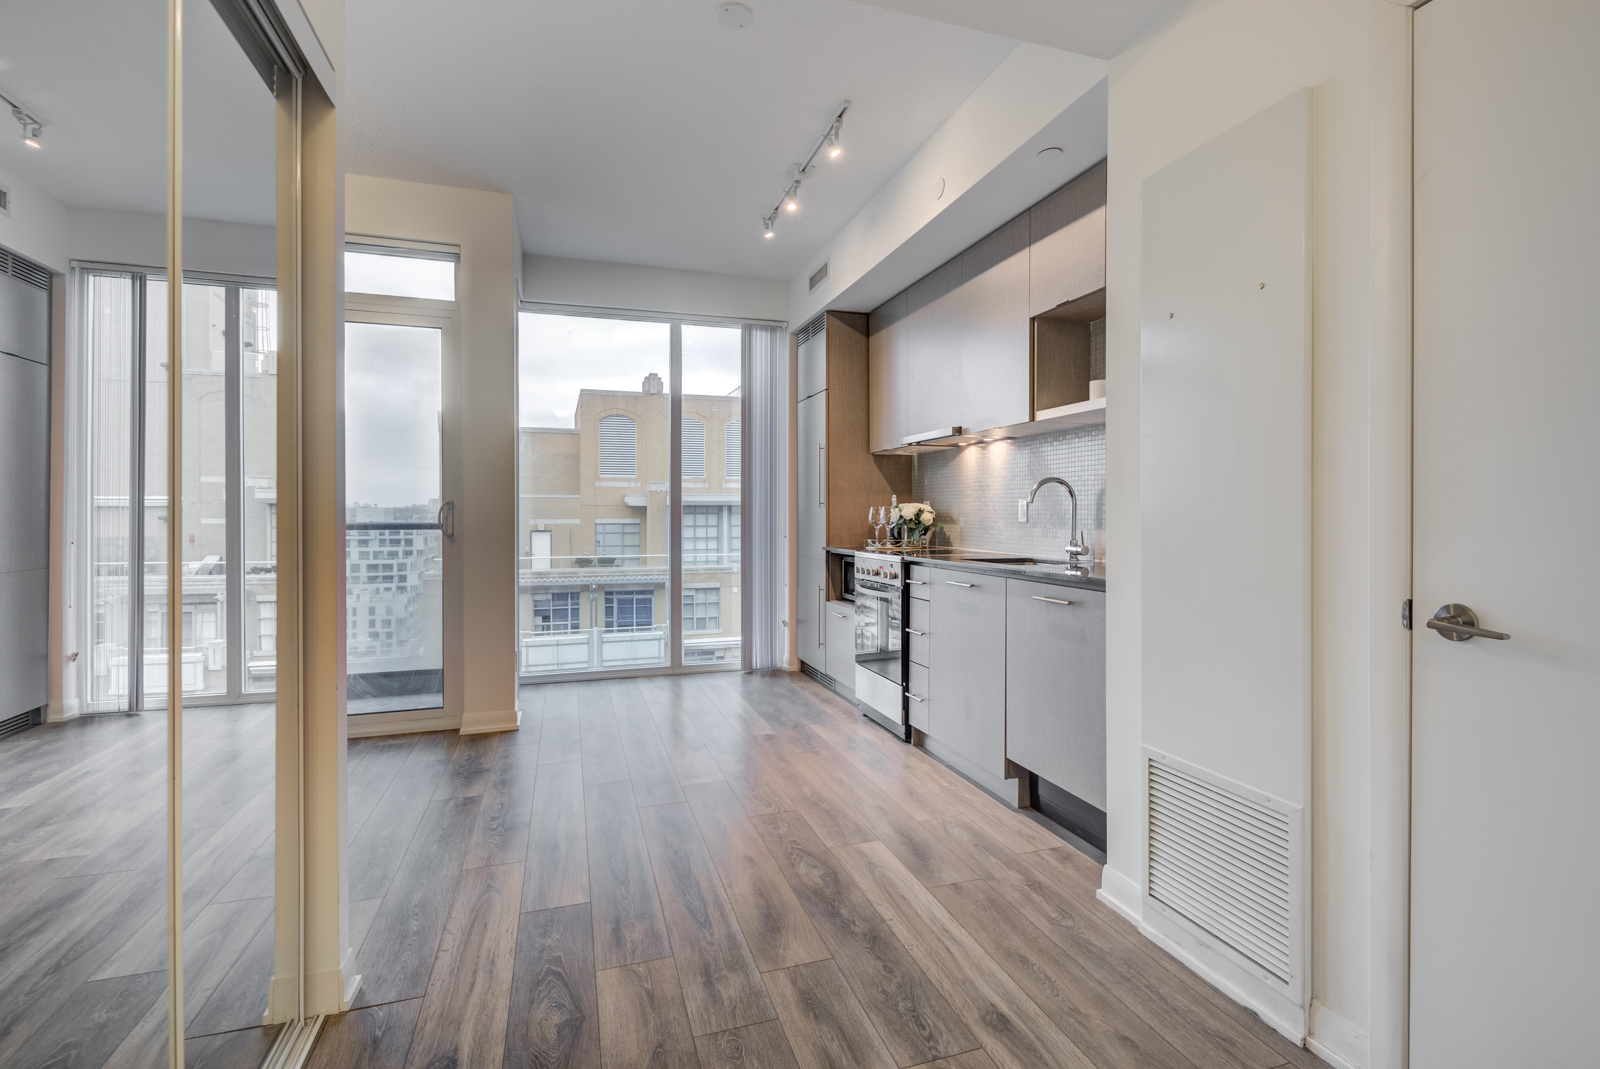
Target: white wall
[986, 156]
[1201, 72]
[483, 226]
[36, 224]
[597, 284]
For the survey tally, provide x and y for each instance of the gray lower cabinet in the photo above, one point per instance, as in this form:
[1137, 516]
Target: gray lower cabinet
[839, 636]
[919, 707]
[967, 648]
[1055, 685]
[810, 637]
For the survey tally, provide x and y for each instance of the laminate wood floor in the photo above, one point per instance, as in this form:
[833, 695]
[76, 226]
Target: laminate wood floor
[83, 892]
[726, 871]
[734, 871]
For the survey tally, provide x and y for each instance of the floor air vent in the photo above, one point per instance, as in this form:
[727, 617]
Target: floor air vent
[21, 722]
[1226, 861]
[821, 677]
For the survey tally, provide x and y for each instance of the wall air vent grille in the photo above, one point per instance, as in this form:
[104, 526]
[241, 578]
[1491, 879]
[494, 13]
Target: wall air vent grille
[24, 270]
[1224, 862]
[819, 276]
[812, 329]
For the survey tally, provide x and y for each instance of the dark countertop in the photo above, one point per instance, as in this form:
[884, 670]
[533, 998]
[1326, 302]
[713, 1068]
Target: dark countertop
[1045, 571]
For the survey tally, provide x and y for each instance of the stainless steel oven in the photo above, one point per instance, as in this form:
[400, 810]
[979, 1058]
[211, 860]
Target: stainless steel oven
[880, 632]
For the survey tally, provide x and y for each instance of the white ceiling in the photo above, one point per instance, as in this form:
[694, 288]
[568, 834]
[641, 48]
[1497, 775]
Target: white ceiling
[1099, 28]
[641, 131]
[94, 72]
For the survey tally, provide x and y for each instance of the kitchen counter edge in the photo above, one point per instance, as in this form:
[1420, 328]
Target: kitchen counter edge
[1037, 573]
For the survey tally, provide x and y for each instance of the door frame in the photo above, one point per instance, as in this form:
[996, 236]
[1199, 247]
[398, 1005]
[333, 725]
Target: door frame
[444, 317]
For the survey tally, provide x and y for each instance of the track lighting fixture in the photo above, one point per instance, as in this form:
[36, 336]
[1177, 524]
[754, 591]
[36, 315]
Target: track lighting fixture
[827, 145]
[31, 127]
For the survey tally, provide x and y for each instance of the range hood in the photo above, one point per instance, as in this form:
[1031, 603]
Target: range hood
[938, 438]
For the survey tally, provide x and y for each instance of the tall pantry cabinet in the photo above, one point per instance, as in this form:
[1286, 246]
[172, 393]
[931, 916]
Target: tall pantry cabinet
[837, 477]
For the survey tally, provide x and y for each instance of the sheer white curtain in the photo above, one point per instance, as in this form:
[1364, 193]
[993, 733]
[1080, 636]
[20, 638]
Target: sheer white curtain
[766, 520]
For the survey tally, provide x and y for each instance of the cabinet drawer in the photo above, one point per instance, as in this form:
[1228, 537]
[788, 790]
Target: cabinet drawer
[839, 642]
[918, 701]
[918, 576]
[1056, 685]
[917, 633]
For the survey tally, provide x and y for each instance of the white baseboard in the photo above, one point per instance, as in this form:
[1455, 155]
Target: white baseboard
[1336, 1039]
[367, 725]
[487, 720]
[1122, 895]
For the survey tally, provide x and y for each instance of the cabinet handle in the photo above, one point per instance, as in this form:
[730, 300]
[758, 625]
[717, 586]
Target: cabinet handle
[822, 474]
[917, 582]
[922, 634]
[952, 582]
[840, 615]
[1053, 601]
[914, 698]
[822, 632]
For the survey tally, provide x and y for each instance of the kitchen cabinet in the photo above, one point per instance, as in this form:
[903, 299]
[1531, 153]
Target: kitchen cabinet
[810, 638]
[812, 464]
[1055, 685]
[967, 678]
[932, 371]
[839, 640]
[956, 348]
[1067, 250]
[918, 691]
[886, 371]
[917, 632]
[838, 477]
[993, 310]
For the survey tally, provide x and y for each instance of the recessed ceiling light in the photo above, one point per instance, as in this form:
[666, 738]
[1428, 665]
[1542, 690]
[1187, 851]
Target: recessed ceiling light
[735, 16]
[1053, 152]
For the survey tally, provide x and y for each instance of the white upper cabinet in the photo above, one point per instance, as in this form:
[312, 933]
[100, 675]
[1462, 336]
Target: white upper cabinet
[993, 384]
[1067, 234]
[886, 360]
[955, 348]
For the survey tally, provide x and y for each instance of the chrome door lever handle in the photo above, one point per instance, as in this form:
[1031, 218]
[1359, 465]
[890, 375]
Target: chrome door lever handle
[1458, 623]
[922, 634]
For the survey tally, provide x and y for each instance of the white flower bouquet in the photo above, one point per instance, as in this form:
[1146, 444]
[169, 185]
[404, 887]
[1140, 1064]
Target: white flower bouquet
[912, 521]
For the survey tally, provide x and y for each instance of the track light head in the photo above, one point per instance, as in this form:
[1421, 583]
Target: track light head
[834, 150]
[791, 200]
[31, 127]
[30, 136]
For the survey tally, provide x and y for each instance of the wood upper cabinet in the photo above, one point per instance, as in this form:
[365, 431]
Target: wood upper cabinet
[839, 478]
[1067, 234]
[886, 375]
[993, 308]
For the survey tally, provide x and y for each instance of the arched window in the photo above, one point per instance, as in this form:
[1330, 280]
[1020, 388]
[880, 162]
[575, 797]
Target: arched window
[733, 449]
[694, 449]
[619, 447]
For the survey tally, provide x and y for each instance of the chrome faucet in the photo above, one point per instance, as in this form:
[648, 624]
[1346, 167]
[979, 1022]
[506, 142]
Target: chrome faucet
[1075, 546]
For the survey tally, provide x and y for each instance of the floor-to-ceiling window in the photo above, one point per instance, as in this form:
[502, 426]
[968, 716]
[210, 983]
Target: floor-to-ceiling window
[227, 637]
[609, 407]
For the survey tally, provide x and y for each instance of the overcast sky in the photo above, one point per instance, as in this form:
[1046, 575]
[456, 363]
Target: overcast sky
[392, 396]
[560, 355]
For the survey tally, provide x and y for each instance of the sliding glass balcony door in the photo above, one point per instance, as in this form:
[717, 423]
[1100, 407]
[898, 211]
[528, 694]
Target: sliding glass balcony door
[629, 513]
[394, 541]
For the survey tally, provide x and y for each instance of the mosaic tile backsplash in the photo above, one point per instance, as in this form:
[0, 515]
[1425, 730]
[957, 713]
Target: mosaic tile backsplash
[975, 491]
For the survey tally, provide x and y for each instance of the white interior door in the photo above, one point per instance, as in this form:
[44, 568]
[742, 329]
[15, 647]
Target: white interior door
[1505, 868]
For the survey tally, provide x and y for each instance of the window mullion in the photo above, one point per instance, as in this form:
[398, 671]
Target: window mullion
[233, 431]
[674, 598]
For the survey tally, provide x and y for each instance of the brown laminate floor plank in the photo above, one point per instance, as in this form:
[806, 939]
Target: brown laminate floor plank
[754, 1046]
[649, 767]
[471, 763]
[755, 777]
[1015, 1032]
[775, 925]
[643, 1023]
[600, 738]
[244, 1048]
[835, 817]
[555, 1018]
[915, 1021]
[721, 985]
[557, 870]
[375, 851]
[973, 1059]
[826, 1025]
[397, 955]
[376, 1037]
[84, 1031]
[500, 836]
[463, 1018]
[562, 737]
[1088, 931]
[628, 925]
[1112, 1035]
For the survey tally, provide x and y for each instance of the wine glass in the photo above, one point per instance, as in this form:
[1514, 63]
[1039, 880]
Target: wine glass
[876, 516]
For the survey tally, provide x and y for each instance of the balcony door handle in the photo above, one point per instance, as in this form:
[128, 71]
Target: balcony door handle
[447, 519]
[914, 698]
[919, 634]
[1458, 623]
